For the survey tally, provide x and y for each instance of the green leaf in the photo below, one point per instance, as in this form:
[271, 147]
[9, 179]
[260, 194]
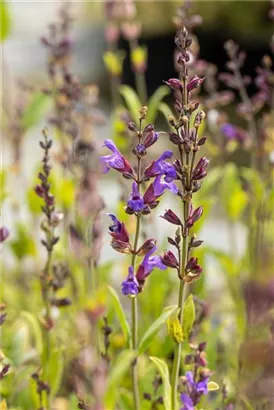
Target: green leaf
[132, 101]
[36, 110]
[53, 371]
[188, 316]
[120, 314]
[212, 386]
[174, 327]
[5, 20]
[154, 328]
[34, 201]
[154, 102]
[118, 370]
[233, 196]
[32, 321]
[23, 245]
[166, 111]
[163, 369]
[256, 185]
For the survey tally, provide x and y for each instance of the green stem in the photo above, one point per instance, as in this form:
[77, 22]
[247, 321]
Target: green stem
[134, 313]
[183, 291]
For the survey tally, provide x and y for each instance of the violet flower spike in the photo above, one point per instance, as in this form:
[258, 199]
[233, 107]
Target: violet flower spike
[115, 160]
[130, 285]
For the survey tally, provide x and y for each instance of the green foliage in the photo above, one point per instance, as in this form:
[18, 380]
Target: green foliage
[36, 110]
[118, 369]
[120, 314]
[24, 244]
[234, 197]
[5, 20]
[154, 328]
[163, 369]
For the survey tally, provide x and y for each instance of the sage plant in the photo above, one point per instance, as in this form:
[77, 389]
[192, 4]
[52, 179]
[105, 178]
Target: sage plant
[161, 174]
[190, 174]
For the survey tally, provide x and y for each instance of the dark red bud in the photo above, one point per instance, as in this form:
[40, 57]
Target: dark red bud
[170, 260]
[171, 217]
[146, 247]
[4, 233]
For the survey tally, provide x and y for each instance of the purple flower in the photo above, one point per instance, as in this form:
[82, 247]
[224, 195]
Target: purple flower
[115, 160]
[156, 189]
[118, 230]
[130, 285]
[229, 131]
[161, 167]
[136, 202]
[187, 402]
[197, 387]
[148, 264]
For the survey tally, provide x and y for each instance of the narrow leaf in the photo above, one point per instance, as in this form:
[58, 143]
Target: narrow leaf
[188, 316]
[163, 369]
[35, 327]
[154, 328]
[118, 370]
[154, 102]
[120, 314]
[132, 101]
[36, 110]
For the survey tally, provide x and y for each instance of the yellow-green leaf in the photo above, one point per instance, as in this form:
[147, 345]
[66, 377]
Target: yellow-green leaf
[120, 314]
[212, 386]
[188, 316]
[174, 327]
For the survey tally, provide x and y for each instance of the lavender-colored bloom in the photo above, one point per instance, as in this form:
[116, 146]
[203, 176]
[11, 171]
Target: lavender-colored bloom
[229, 131]
[115, 160]
[161, 167]
[196, 389]
[187, 402]
[130, 285]
[148, 264]
[136, 202]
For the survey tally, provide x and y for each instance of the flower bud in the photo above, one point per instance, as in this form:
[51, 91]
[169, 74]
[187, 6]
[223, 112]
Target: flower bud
[175, 84]
[194, 83]
[171, 217]
[151, 138]
[132, 126]
[146, 247]
[170, 260]
[175, 138]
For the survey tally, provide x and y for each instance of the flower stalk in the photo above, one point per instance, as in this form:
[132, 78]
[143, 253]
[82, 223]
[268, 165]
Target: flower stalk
[189, 174]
